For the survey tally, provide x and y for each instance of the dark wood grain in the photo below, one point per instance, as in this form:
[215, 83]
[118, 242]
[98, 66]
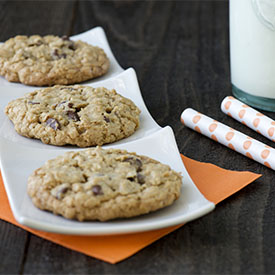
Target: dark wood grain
[13, 242]
[179, 50]
[32, 17]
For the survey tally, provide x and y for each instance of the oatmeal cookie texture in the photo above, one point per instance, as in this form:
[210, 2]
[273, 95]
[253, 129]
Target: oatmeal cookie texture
[50, 60]
[98, 184]
[76, 115]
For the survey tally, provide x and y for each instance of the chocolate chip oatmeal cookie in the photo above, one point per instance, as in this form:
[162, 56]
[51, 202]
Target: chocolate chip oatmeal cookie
[76, 115]
[98, 184]
[50, 60]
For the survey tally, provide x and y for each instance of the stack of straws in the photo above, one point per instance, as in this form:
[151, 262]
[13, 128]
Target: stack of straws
[234, 139]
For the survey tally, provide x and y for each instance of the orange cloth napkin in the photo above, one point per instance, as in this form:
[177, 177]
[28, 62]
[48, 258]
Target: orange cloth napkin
[214, 183]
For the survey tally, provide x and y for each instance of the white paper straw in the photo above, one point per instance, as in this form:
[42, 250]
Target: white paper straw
[249, 117]
[229, 137]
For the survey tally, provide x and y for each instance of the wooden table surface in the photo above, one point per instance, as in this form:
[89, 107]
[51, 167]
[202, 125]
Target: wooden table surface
[180, 52]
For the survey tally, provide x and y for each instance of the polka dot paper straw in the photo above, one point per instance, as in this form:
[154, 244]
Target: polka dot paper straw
[229, 137]
[249, 117]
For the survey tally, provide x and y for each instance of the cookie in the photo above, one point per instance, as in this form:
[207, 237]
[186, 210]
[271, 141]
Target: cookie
[103, 184]
[50, 60]
[76, 115]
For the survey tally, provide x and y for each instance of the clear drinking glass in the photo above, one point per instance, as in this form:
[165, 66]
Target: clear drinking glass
[252, 52]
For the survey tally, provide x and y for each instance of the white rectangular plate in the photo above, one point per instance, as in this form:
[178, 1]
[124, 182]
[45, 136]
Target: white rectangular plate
[19, 156]
[18, 161]
[125, 83]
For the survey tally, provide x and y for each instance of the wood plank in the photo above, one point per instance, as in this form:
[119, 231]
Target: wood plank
[180, 52]
[135, 29]
[50, 258]
[35, 17]
[13, 242]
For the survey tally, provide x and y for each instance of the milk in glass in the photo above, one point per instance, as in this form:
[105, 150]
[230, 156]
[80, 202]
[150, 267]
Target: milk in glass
[252, 51]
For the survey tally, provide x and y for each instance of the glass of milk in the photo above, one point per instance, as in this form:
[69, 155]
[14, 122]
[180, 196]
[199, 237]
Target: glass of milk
[252, 52]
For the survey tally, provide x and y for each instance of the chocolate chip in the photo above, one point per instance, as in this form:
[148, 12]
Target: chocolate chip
[97, 190]
[71, 46]
[33, 103]
[37, 43]
[53, 123]
[131, 179]
[57, 55]
[106, 119]
[73, 115]
[135, 161]
[55, 52]
[70, 105]
[65, 37]
[61, 192]
[138, 164]
[140, 178]
[61, 103]
[129, 159]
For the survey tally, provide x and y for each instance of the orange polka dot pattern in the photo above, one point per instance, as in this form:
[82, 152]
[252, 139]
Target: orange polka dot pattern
[249, 117]
[229, 137]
